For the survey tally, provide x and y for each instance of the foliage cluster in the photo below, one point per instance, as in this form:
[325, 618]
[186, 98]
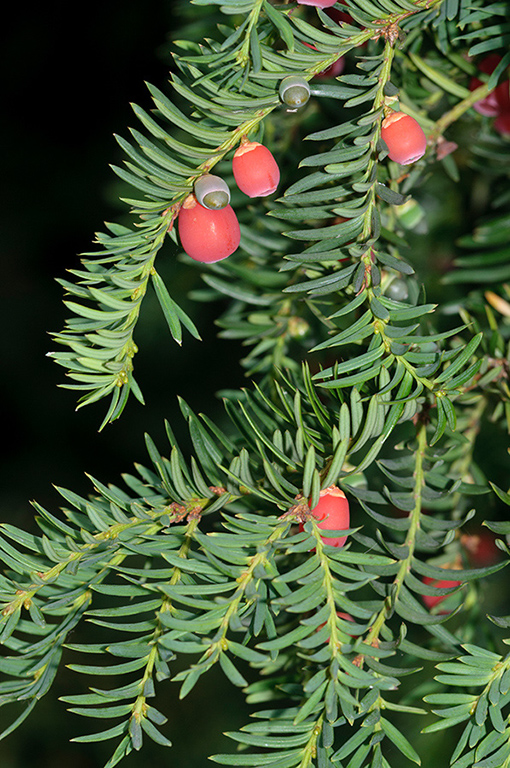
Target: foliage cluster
[356, 379]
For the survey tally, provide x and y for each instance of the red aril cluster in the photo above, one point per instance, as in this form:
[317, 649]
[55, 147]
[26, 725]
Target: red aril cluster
[404, 138]
[332, 514]
[497, 102]
[208, 227]
[502, 123]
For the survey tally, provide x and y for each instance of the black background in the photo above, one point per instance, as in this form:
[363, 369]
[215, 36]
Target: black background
[71, 75]
[72, 71]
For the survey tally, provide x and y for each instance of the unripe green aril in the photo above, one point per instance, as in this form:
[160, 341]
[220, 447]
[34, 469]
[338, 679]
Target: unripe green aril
[294, 91]
[397, 290]
[212, 192]
[297, 327]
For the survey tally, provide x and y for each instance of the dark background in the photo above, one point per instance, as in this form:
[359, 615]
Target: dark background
[71, 78]
[70, 72]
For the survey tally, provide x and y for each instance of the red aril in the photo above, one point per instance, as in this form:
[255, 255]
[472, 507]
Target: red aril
[502, 123]
[208, 235]
[432, 600]
[497, 102]
[332, 514]
[489, 104]
[255, 170]
[333, 70]
[341, 615]
[480, 548]
[404, 138]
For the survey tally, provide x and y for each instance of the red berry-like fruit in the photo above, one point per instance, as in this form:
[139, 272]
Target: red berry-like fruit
[208, 235]
[341, 615]
[489, 104]
[404, 138]
[480, 548]
[255, 170]
[503, 96]
[332, 512]
[502, 123]
[333, 70]
[433, 600]
[488, 64]
[497, 102]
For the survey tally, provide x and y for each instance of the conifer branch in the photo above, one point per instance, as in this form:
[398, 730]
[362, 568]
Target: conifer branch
[364, 394]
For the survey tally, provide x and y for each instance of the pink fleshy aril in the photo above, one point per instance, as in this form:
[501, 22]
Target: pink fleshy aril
[497, 101]
[333, 70]
[207, 235]
[488, 64]
[332, 513]
[404, 138]
[502, 123]
[255, 170]
[432, 600]
[480, 547]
